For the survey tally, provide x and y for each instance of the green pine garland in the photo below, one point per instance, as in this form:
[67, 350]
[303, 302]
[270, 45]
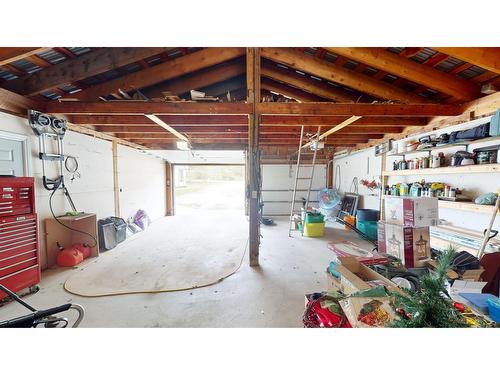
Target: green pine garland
[429, 307]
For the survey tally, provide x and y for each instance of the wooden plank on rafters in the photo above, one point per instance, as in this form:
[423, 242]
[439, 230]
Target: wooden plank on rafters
[485, 57]
[87, 65]
[288, 91]
[346, 77]
[11, 54]
[161, 72]
[411, 70]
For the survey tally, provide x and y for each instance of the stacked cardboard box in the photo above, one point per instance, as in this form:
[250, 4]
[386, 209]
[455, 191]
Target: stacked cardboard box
[405, 231]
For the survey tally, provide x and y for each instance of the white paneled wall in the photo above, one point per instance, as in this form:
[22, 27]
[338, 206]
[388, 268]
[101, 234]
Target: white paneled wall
[277, 186]
[142, 177]
[142, 181]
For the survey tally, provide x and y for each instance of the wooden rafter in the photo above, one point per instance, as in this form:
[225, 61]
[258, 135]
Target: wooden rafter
[167, 127]
[486, 58]
[11, 54]
[334, 73]
[87, 65]
[162, 72]
[321, 89]
[411, 70]
[340, 126]
[198, 80]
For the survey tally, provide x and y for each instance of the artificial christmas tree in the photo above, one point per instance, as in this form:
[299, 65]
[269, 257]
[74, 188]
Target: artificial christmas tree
[429, 307]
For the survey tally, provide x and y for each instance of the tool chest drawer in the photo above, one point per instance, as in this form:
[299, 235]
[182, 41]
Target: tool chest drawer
[21, 279]
[19, 251]
[16, 196]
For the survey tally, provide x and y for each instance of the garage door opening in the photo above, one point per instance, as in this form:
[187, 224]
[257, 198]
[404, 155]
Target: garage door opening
[204, 189]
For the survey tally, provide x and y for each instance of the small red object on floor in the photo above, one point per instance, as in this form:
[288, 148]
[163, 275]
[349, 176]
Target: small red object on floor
[460, 307]
[69, 257]
[84, 249]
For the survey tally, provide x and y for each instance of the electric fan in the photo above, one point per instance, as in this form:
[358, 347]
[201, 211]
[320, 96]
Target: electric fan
[328, 200]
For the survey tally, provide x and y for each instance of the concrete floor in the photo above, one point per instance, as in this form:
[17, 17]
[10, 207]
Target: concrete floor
[271, 295]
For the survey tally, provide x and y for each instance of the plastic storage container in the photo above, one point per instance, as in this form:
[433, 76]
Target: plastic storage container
[368, 227]
[494, 309]
[314, 229]
[366, 214]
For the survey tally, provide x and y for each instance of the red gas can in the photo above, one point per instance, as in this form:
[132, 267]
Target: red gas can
[69, 257]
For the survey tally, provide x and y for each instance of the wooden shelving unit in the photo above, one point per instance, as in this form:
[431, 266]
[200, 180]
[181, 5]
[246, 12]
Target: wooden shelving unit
[483, 168]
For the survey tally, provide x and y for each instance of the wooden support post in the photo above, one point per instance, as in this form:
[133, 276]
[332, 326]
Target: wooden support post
[253, 158]
[169, 189]
[116, 184]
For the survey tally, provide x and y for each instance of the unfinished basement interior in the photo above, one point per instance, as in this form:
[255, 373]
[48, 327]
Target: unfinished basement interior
[249, 187]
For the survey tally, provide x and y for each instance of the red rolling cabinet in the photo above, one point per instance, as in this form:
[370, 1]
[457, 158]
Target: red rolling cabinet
[19, 245]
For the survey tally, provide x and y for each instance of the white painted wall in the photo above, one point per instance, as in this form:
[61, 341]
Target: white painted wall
[93, 192]
[363, 165]
[474, 184]
[277, 186]
[142, 180]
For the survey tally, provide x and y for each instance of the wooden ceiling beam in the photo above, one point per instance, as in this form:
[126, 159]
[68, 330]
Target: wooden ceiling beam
[16, 104]
[335, 120]
[331, 72]
[162, 72]
[130, 107]
[135, 107]
[241, 129]
[87, 65]
[167, 127]
[408, 69]
[138, 120]
[197, 80]
[485, 57]
[320, 89]
[277, 120]
[11, 54]
[359, 109]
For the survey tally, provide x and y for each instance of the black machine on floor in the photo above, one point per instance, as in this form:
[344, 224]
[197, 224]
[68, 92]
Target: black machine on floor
[45, 318]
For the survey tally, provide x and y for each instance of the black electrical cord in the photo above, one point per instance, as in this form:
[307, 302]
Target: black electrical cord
[66, 226]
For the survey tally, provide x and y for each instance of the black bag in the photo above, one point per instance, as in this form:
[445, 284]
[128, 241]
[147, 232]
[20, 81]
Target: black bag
[478, 132]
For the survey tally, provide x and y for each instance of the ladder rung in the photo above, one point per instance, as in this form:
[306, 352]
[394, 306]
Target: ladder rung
[303, 178]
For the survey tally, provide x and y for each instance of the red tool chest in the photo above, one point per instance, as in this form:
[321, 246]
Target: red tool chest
[19, 250]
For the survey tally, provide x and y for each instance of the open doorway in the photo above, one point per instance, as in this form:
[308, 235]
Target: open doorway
[203, 189]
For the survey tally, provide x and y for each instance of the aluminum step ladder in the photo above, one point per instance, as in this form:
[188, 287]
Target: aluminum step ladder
[291, 226]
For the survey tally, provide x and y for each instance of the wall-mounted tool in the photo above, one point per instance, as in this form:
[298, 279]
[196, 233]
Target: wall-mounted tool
[50, 129]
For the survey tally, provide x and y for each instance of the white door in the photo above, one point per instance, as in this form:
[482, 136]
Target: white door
[12, 161]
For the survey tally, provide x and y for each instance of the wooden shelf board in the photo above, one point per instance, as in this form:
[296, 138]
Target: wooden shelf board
[464, 206]
[483, 168]
[467, 206]
[450, 145]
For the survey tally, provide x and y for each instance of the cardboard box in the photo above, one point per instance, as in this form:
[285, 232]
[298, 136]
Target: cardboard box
[346, 248]
[411, 211]
[333, 284]
[411, 245]
[355, 276]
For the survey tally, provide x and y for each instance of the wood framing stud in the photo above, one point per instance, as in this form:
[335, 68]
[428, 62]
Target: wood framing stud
[116, 183]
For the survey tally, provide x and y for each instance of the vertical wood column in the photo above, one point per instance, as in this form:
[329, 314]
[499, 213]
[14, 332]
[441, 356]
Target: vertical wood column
[253, 158]
[116, 183]
[169, 189]
[383, 181]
